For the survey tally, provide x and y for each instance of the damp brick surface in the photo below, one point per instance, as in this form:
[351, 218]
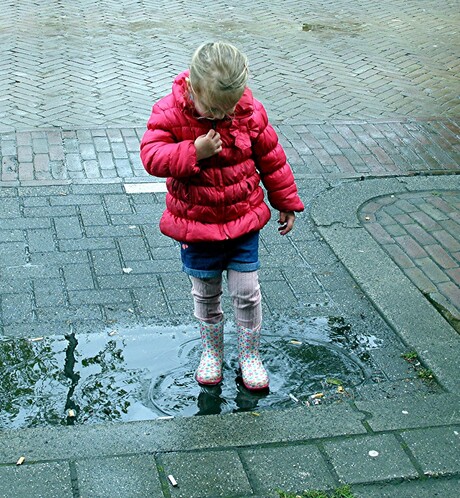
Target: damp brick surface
[364, 98]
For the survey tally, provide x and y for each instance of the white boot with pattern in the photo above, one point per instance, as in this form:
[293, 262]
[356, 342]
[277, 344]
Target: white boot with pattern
[254, 375]
[209, 371]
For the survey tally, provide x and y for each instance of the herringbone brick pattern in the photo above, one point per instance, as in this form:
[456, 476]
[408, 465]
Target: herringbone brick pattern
[88, 64]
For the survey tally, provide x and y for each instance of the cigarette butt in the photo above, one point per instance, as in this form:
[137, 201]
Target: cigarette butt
[36, 339]
[172, 480]
[255, 414]
[71, 413]
[21, 461]
[112, 332]
[293, 398]
[297, 343]
[317, 396]
[168, 417]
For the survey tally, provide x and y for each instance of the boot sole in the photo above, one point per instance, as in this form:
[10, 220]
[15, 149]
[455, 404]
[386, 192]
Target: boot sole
[213, 383]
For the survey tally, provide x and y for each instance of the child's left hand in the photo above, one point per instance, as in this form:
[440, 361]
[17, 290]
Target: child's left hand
[286, 220]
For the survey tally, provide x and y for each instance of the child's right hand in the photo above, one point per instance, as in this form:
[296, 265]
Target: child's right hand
[208, 145]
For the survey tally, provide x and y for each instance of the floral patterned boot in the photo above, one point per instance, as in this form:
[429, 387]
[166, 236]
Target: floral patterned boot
[209, 371]
[252, 370]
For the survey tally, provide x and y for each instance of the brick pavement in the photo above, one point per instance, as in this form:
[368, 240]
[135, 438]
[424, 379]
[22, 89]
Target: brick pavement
[343, 149]
[344, 59]
[401, 448]
[355, 90]
[421, 232]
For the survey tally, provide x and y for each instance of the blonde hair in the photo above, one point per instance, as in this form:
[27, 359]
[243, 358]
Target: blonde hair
[218, 75]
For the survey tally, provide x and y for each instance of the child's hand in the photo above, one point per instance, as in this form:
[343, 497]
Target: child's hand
[208, 145]
[286, 220]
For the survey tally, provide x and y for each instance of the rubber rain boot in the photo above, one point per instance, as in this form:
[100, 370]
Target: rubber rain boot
[209, 371]
[254, 375]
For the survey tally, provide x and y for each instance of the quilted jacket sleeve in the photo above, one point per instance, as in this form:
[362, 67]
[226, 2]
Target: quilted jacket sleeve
[163, 154]
[273, 167]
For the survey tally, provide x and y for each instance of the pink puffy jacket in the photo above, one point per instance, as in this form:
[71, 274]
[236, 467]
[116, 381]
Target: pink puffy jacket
[219, 197]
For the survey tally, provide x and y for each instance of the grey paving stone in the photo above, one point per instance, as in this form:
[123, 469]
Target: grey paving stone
[49, 212]
[151, 302]
[58, 170]
[106, 262]
[95, 296]
[442, 409]
[68, 227]
[40, 240]
[49, 292]
[427, 488]
[207, 474]
[139, 218]
[111, 231]
[289, 468]
[11, 236]
[123, 477]
[25, 223]
[78, 277]
[97, 188]
[437, 450]
[10, 208]
[55, 316]
[86, 244]
[126, 281]
[158, 266]
[29, 270]
[279, 295]
[17, 308]
[44, 480]
[105, 160]
[117, 204]
[133, 249]
[93, 215]
[354, 464]
[73, 200]
[12, 254]
[182, 434]
[50, 259]
[123, 168]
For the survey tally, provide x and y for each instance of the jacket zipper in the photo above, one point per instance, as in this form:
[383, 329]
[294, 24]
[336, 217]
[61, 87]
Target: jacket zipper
[215, 161]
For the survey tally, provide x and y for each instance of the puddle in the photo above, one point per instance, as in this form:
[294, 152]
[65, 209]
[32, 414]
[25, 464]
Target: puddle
[147, 373]
[335, 27]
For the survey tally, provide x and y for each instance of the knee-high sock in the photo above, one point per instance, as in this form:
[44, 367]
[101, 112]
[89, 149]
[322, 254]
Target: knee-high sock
[206, 296]
[245, 291]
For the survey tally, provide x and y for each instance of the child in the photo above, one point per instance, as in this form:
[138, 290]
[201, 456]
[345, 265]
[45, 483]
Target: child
[212, 140]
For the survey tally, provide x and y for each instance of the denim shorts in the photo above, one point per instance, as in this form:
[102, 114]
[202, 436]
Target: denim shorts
[210, 259]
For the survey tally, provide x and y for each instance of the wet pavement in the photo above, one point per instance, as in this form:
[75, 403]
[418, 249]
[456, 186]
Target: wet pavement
[361, 301]
[148, 373]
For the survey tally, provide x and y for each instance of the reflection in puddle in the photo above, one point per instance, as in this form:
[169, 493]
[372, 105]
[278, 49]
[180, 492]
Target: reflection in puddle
[147, 373]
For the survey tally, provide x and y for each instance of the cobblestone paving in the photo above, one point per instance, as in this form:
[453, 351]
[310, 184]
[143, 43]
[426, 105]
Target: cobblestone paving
[337, 149]
[421, 232]
[77, 258]
[89, 64]
[355, 89]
